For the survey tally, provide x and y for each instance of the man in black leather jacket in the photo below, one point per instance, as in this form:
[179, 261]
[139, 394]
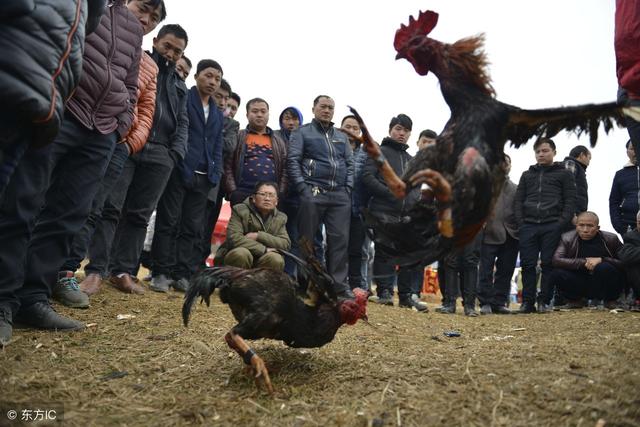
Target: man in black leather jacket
[587, 263]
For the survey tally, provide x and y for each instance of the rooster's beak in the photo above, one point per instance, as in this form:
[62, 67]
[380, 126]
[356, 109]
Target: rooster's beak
[400, 55]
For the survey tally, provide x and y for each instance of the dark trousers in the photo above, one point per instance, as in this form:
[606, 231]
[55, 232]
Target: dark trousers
[45, 204]
[82, 240]
[291, 208]
[14, 142]
[333, 209]
[357, 256]
[633, 279]
[136, 195]
[606, 282]
[542, 240]
[178, 232]
[385, 274]
[494, 285]
[461, 271]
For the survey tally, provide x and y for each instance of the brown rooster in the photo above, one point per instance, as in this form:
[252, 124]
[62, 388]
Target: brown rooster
[469, 153]
[269, 304]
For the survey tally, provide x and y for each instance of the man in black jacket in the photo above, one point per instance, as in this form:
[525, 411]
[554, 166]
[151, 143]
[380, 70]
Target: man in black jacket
[386, 207]
[624, 198]
[544, 205]
[587, 265]
[577, 162]
[146, 173]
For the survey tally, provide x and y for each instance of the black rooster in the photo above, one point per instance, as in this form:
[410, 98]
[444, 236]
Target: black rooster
[269, 304]
[469, 153]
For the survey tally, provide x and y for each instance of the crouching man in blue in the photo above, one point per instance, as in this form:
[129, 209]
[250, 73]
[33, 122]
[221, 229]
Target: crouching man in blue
[587, 264]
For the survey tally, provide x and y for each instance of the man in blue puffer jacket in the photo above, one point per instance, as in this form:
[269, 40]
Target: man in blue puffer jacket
[625, 194]
[320, 164]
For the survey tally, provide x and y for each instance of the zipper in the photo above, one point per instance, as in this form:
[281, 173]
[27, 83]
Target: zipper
[310, 170]
[114, 25]
[539, 194]
[159, 106]
[402, 169]
[332, 163]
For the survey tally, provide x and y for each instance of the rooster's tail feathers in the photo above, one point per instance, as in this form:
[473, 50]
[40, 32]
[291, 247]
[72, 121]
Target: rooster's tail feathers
[203, 284]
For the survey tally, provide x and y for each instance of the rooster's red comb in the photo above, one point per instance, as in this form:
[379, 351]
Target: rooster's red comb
[421, 27]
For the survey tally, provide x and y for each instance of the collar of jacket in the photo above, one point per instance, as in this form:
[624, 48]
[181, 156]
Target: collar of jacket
[163, 63]
[268, 132]
[252, 207]
[321, 127]
[629, 164]
[194, 97]
[554, 165]
[392, 143]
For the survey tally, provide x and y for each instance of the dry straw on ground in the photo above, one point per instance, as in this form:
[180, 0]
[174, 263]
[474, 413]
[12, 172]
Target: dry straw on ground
[574, 368]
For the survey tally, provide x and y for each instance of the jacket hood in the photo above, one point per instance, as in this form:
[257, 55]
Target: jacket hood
[392, 143]
[282, 113]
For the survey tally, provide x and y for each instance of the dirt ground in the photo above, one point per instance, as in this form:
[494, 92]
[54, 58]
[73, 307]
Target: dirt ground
[568, 368]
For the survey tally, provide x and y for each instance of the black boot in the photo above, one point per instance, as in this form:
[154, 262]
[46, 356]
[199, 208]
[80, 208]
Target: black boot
[450, 292]
[470, 284]
[41, 315]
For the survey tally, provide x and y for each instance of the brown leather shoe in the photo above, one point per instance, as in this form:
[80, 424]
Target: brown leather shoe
[126, 284]
[91, 284]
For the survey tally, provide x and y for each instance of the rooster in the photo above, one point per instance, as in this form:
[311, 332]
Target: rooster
[468, 155]
[269, 304]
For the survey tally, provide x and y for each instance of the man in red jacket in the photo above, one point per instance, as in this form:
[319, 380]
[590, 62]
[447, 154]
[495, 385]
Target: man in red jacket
[587, 265]
[49, 196]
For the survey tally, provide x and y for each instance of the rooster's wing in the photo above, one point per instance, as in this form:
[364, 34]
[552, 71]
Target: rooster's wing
[547, 122]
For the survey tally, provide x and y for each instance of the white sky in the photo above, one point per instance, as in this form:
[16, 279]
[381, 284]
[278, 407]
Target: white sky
[544, 53]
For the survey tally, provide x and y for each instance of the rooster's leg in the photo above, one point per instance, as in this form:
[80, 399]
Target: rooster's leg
[439, 188]
[251, 358]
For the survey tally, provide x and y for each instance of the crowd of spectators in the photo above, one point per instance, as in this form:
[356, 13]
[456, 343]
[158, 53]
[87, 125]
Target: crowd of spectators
[103, 134]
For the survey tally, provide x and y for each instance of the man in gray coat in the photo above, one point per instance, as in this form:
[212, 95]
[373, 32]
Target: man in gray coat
[499, 251]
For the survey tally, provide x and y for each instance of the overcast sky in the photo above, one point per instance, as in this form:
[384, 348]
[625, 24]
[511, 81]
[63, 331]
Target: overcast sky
[544, 53]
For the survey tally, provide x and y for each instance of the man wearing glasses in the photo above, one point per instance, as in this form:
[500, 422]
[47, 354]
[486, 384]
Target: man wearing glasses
[256, 229]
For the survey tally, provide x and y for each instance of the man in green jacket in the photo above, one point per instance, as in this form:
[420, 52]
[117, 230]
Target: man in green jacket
[256, 229]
